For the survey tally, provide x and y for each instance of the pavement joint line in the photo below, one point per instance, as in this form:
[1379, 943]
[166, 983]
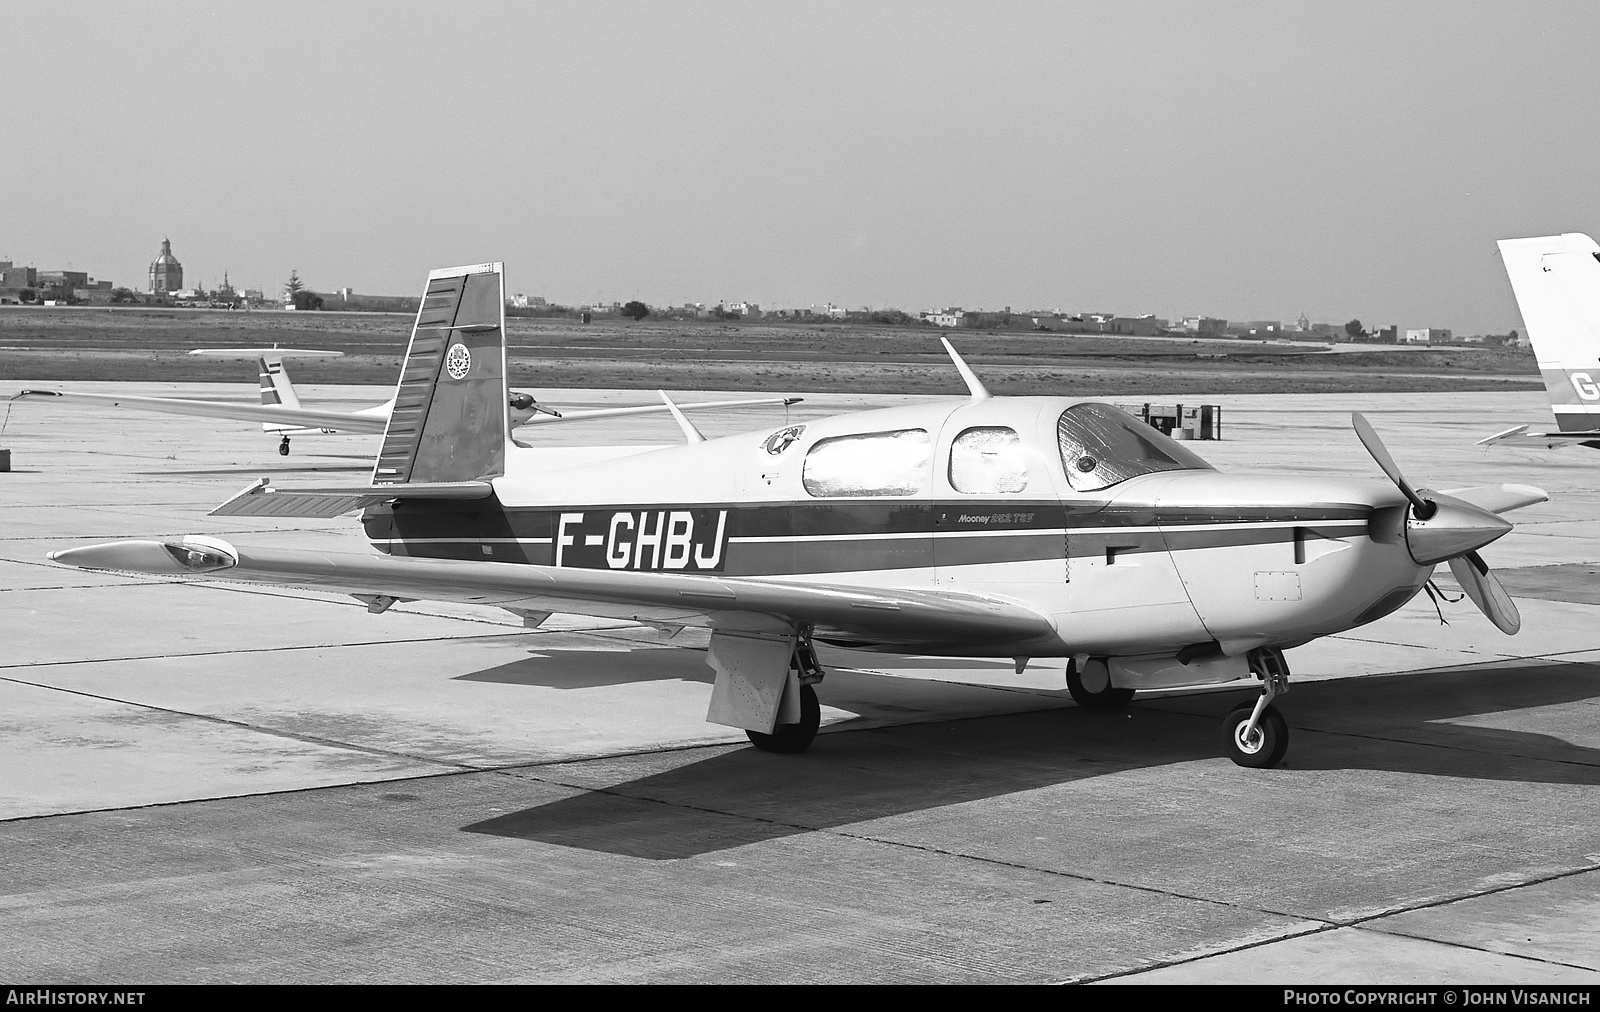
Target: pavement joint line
[244, 650]
[1413, 646]
[1476, 948]
[1323, 924]
[258, 728]
[1365, 922]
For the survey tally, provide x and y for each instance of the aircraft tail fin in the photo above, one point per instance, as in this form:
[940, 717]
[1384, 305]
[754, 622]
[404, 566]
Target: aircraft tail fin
[1556, 280]
[449, 417]
[276, 387]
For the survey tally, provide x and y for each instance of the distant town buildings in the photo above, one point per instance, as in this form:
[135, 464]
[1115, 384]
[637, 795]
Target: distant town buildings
[166, 274]
[1427, 335]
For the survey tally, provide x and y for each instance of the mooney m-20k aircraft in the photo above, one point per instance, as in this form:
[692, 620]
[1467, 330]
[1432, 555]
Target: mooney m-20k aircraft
[975, 526]
[281, 413]
[1556, 279]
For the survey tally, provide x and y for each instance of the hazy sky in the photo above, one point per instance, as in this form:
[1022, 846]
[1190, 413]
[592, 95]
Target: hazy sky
[1249, 161]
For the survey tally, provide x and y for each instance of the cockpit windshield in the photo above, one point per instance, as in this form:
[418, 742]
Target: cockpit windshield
[1101, 446]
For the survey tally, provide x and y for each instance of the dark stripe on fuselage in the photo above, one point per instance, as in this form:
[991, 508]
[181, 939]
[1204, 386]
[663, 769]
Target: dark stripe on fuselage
[790, 538]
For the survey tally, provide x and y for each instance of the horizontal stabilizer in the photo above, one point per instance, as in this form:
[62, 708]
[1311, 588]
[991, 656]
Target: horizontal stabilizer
[262, 500]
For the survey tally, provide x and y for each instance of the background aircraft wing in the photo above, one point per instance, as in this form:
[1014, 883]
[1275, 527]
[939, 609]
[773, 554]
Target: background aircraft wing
[1520, 436]
[860, 615]
[272, 413]
[583, 414]
[1500, 498]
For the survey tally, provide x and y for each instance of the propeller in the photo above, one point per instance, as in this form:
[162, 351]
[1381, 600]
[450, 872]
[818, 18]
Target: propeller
[1443, 528]
[1486, 592]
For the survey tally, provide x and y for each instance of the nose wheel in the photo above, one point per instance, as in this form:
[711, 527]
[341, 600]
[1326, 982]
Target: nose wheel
[1257, 735]
[1261, 746]
[283, 447]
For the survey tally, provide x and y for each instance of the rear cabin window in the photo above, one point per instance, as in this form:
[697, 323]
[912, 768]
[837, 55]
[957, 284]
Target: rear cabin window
[1101, 446]
[872, 463]
[988, 460]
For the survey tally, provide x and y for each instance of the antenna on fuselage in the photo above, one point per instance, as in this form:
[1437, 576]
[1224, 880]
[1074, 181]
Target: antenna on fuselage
[974, 384]
[690, 433]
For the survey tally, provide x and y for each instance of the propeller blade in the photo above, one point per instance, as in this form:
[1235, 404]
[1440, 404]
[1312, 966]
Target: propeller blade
[1473, 574]
[1380, 453]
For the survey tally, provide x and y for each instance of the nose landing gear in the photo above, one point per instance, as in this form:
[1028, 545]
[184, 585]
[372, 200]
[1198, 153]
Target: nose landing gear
[1257, 734]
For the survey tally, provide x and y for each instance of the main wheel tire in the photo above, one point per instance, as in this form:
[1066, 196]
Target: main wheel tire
[1108, 698]
[1266, 747]
[792, 738]
[283, 448]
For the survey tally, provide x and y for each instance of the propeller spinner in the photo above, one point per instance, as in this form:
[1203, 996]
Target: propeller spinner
[1443, 528]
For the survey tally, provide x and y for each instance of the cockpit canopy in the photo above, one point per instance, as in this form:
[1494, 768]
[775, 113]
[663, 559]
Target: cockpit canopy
[1101, 446]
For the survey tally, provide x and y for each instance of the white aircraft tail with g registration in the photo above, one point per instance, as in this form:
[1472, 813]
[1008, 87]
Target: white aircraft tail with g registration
[277, 390]
[1556, 280]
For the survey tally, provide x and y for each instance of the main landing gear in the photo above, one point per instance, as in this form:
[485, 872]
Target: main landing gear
[792, 738]
[1091, 687]
[1257, 735]
[283, 447]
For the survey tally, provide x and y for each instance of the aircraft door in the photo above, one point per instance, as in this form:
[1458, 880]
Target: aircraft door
[999, 521]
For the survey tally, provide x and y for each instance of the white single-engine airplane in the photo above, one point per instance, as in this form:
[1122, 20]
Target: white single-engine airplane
[976, 526]
[281, 414]
[1556, 279]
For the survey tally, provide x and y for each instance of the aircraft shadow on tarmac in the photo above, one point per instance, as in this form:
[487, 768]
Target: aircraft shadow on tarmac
[1397, 724]
[559, 668]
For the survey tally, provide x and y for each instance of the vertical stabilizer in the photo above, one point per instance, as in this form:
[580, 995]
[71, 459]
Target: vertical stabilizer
[275, 385]
[1556, 280]
[449, 417]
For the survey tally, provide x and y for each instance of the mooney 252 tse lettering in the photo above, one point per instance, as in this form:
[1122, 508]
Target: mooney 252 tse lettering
[975, 526]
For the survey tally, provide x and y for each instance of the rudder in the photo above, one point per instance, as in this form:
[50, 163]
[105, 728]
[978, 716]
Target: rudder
[449, 417]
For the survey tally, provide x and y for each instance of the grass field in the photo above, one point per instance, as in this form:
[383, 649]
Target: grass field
[66, 344]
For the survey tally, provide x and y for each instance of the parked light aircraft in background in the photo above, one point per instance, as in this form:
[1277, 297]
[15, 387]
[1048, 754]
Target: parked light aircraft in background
[1556, 279]
[973, 526]
[281, 413]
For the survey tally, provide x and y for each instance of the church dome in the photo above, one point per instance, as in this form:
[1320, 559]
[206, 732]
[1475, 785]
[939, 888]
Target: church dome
[166, 274]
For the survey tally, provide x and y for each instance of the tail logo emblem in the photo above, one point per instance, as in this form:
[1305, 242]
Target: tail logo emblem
[458, 361]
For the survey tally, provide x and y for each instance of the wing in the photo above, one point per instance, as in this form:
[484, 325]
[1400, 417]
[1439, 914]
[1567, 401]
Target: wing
[1520, 436]
[1500, 498]
[343, 421]
[921, 621]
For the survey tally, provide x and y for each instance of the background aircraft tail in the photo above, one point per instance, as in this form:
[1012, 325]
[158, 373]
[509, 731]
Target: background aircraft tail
[449, 417]
[276, 387]
[1556, 280]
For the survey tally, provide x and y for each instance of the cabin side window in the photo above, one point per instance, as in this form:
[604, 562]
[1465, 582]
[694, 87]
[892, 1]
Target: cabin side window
[987, 460]
[1101, 446]
[871, 463]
